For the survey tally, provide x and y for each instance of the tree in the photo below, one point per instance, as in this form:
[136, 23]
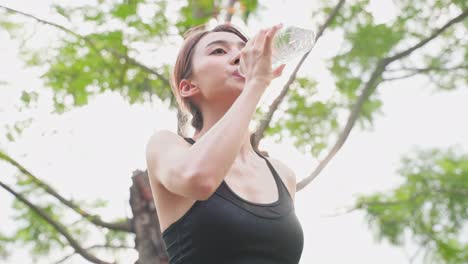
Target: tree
[432, 204]
[85, 64]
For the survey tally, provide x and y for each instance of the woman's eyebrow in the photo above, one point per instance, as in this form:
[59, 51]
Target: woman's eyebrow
[220, 41]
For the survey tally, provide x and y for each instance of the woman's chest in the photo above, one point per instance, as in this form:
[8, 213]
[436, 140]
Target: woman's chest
[225, 224]
[253, 183]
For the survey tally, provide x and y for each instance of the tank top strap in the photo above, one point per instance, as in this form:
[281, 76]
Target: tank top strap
[283, 190]
[189, 140]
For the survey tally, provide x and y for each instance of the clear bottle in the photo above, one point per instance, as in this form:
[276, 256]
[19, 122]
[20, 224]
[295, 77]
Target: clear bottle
[288, 43]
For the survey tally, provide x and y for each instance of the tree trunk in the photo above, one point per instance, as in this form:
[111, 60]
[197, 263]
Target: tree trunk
[148, 240]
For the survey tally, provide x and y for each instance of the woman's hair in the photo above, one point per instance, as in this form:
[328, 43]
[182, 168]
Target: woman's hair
[183, 68]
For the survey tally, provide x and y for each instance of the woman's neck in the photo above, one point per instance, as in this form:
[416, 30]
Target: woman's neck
[246, 151]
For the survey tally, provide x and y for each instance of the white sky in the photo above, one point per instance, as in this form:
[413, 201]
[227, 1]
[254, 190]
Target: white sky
[96, 148]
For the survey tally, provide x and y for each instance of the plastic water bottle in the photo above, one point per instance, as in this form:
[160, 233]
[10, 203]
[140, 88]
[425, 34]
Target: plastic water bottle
[288, 43]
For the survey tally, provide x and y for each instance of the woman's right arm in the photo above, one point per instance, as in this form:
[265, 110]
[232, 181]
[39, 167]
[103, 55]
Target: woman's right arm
[197, 171]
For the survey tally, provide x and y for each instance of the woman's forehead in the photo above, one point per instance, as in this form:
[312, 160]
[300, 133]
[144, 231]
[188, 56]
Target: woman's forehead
[214, 37]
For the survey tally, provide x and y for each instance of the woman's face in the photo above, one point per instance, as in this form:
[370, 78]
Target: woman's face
[215, 60]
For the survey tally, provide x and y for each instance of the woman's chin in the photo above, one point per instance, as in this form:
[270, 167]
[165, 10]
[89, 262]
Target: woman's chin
[240, 87]
[237, 86]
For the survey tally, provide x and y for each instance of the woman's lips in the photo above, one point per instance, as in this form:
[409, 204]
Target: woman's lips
[237, 74]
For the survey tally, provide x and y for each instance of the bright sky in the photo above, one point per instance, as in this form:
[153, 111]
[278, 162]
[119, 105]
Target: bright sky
[95, 149]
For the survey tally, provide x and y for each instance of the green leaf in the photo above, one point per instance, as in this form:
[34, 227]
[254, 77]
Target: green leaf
[309, 122]
[195, 13]
[125, 9]
[29, 97]
[248, 7]
[117, 238]
[432, 198]
[62, 11]
[8, 25]
[35, 231]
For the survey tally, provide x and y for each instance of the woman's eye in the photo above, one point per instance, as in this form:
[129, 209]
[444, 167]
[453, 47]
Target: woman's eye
[216, 51]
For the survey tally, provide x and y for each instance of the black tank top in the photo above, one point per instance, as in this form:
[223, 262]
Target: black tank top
[227, 229]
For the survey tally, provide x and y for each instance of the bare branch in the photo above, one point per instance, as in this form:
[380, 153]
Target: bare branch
[369, 87]
[416, 253]
[91, 44]
[416, 71]
[230, 11]
[93, 247]
[65, 258]
[265, 123]
[449, 192]
[462, 193]
[423, 42]
[406, 76]
[56, 225]
[330, 19]
[111, 247]
[346, 210]
[356, 110]
[125, 226]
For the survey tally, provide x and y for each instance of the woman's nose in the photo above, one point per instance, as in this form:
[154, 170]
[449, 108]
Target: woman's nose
[236, 58]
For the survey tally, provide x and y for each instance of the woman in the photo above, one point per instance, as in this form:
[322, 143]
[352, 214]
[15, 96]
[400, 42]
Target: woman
[218, 199]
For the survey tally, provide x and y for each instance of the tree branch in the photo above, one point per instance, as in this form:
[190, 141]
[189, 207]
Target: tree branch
[330, 19]
[265, 123]
[230, 11]
[125, 226]
[91, 44]
[416, 253]
[423, 42]
[57, 226]
[462, 193]
[356, 110]
[369, 87]
[93, 247]
[417, 71]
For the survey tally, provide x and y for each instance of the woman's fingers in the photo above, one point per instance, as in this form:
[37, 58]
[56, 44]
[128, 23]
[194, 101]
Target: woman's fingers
[256, 56]
[254, 41]
[278, 71]
[260, 40]
[249, 43]
[269, 38]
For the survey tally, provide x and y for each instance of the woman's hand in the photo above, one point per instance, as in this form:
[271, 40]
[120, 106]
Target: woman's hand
[255, 57]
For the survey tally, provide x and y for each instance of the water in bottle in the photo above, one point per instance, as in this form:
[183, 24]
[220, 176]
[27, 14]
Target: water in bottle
[290, 42]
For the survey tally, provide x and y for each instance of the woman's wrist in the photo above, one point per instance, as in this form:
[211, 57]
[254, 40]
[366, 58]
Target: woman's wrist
[254, 89]
[258, 83]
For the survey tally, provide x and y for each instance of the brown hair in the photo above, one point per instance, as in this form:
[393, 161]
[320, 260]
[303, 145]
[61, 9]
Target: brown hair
[183, 68]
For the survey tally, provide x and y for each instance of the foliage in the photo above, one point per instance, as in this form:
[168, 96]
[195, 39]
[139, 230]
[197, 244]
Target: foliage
[432, 204]
[308, 121]
[102, 46]
[34, 232]
[366, 42]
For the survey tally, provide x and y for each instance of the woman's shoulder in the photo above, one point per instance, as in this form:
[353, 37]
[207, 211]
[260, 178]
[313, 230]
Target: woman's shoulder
[165, 135]
[163, 140]
[286, 173]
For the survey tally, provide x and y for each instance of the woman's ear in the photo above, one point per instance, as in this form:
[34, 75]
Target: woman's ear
[186, 88]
